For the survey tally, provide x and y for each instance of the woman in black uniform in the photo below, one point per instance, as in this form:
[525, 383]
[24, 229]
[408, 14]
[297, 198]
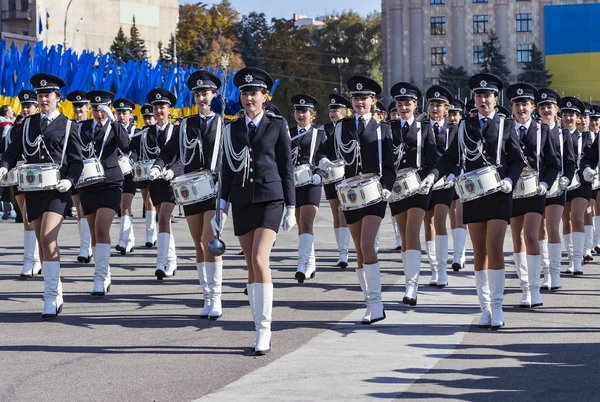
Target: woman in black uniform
[442, 194]
[547, 107]
[258, 181]
[414, 150]
[48, 137]
[595, 130]
[81, 108]
[306, 140]
[577, 196]
[366, 147]
[485, 141]
[528, 208]
[123, 113]
[160, 189]
[338, 109]
[195, 143]
[102, 139]
[588, 219]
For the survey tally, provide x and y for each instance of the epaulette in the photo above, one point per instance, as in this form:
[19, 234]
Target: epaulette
[271, 114]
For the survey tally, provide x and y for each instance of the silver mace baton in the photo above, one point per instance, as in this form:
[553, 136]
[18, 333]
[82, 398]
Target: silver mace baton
[217, 246]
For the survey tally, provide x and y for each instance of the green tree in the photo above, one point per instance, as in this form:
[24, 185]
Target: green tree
[534, 71]
[166, 53]
[455, 79]
[137, 46]
[494, 62]
[253, 33]
[120, 45]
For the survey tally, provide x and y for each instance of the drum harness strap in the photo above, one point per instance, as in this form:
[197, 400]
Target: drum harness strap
[354, 147]
[471, 156]
[40, 140]
[185, 144]
[241, 157]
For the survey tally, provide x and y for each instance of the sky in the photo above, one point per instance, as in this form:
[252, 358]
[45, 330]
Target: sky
[286, 8]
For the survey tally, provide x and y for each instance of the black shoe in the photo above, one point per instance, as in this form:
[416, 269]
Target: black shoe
[410, 301]
[577, 273]
[496, 327]
[342, 265]
[119, 248]
[398, 248]
[543, 287]
[246, 291]
[86, 260]
[241, 252]
[160, 274]
[597, 249]
[52, 316]
[587, 258]
[378, 319]
[555, 288]
[148, 244]
[442, 286]
[456, 267]
[300, 276]
[101, 293]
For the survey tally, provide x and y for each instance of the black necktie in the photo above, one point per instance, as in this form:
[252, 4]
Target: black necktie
[436, 129]
[161, 138]
[97, 129]
[361, 124]
[302, 130]
[203, 121]
[522, 132]
[405, 129]
[251, 130]
[44, 124]
[486, 124]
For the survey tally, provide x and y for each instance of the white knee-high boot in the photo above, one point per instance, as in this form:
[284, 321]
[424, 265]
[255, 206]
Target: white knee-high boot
[521, 268]
[589, 243]
[578, 246]
[545, 264]
[496, 280]
[263, 297]
[362, 281]
[483, 295]
[597, 234]
[441, 253]
[534, 266]
[569, 249]
[305, 242]
[433, 264]
[202, 278]
[214, 273]
[31, 257]
[554, 254]
[373, 279]
[151, 235]
[85, 242]
[102, 278]
[171, 257]
[412, 267]
[344, 244]
[397, 234]
[459, 239]
[162, 252]
[53, 300]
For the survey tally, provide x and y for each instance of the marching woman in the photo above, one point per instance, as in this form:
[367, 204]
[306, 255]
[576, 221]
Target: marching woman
[306, 140]
[547, 107]
[457, 227]
[102, 139]
[338, 109]
[366, 147]
[196, 145]
[123, 113]
[579, 190]
[258, 181]
[161, 192]
[414, 150]
[48, 137]
[486, 144]
[442, 194]
[590, 161]
[81, 108]
[595, 130]
[588, 219]
[542, 167]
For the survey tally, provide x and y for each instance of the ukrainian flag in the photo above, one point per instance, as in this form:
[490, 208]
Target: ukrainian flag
[47, 19]
[572, 48]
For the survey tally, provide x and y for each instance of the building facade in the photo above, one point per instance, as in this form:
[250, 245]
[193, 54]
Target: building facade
[87, 24]
[422, 36]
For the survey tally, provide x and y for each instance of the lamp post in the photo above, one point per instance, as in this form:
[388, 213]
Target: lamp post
[175, 42]
[65, 29]
[338, 61]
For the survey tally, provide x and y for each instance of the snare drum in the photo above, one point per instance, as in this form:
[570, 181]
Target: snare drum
[125, 164]
[141, 169]
[554, 190]
[92, 173]
[478, 183]
[439, 185]
[38, 176]
[596, 181]
[335, 173]
[11, 178]
[527, 185]
[303, 175]
[359, 191]
[194, 187]
[574, 185]
[407, 184]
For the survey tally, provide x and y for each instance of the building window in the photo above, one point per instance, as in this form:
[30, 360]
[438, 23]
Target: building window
[524, 23]
[480, 24]
[438, 25]
[479, 1]
[437, 1]
[524, 52]
[438, 56]
[24, 5]
[477, 54]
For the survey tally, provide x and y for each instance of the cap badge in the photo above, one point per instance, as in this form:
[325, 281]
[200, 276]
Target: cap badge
[437, 94]
[520, 91]
[402, 91]
[43, 83]
[121, 104]
[332, 101]
[302, 101]
[78, 97]
[544, 95]
[483, 83]
[200, 83]
[26, 96]
[98, 99]
[249, 78]
[359, 86]
[158, 96]
[569, 104]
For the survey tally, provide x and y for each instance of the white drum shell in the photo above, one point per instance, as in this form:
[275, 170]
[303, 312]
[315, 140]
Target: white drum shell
[574, 185]
[195, 187]
[303, 175]
[596, 181]
[38, 177]
[407, 184]
[125, 164]
[554, 190]
[527, 186]
[359, 192]
[439, 185]
[335, 173]
[141, 169]
[92, 173]
[478, 183]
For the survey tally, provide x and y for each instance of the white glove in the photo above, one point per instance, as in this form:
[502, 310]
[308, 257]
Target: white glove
[542, 188]
[563, 182]
[154, 173]
[426, 184]
[316, 180]
[107, 112]
[325, 164]
[386, 194]
[168, 175]
[218, 227]
[506, 185]
[63, 186]
[3, 172]
[588, 174]
[450, 180]
[289, 219]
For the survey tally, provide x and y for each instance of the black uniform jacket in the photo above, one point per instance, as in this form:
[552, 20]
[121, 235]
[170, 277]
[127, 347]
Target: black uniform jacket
[591, 155]
[171, 150]
[586, 149]
[549, 161]
[511, 161]
[569, 163]
[301, 147]
[369, 150]
[117, 140]
[270, 173]
[53, 139]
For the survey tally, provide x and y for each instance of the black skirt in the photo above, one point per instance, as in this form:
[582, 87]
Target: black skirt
[594, 194]
[129, 185]
[141, 184]
[330, 192]
[560, 200]
[101, 195]
[357, 214]
[583, 191]
[248, 217]
[493, 206]
[443, 197]
[308, 195]
[414, 201]
[522, 206]
[161, 191]
[199, 207]
[39, 202]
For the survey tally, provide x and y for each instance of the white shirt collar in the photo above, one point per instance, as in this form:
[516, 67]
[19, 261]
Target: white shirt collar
[527, 124]
[50, 116]
[256, 120]
[552, 125]
[305, 128]
[440, 123]
[489, 116]
[206, 116]
[163, 128]
[410, 121]
[572, 131]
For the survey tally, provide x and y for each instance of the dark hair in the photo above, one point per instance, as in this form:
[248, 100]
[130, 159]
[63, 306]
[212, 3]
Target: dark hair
[4, 110]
